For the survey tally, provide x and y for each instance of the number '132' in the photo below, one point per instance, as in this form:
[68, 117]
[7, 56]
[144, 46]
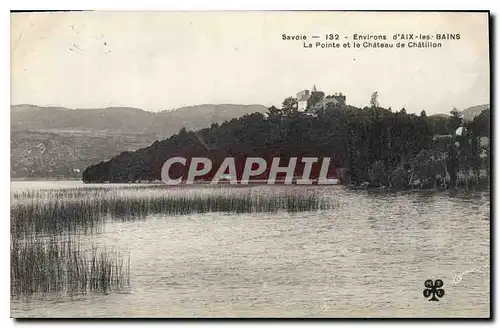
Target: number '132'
[332, 36]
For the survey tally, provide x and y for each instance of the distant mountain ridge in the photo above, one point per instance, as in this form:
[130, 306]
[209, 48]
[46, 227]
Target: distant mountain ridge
[468, 114]
[127, 120]
[58, 142]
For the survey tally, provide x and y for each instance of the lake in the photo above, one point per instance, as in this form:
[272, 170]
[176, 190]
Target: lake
[369, 256]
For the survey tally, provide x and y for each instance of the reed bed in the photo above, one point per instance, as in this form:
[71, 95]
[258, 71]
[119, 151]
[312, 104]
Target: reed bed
[41, 266]
[120, 189]
[82, 191]
[46, 258]
[86, 214]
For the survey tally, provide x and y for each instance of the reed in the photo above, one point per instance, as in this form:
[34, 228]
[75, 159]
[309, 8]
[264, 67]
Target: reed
[46, 260]
[41, 266]
[59, 213]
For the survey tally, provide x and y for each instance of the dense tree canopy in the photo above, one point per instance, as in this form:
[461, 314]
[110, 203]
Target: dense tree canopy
[370, 144]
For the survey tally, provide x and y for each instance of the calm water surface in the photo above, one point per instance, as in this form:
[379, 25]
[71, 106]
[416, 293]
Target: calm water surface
[368, 257]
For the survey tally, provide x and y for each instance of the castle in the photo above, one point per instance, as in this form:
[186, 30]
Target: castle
[311, 101]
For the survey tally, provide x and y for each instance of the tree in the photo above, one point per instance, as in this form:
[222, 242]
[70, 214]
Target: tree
[455, 121]
[378, 176]
[477, 128]
[399, 178]
[429, 167]
[289, 105]
[480, 127]
[439, 124]
[374, 100]
[481, 124]
[452, 164]
[273, 112]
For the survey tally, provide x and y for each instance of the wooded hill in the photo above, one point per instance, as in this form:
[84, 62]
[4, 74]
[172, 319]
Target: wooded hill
[370, 144]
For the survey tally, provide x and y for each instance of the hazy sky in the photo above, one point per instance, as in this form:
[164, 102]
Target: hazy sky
[165, 60]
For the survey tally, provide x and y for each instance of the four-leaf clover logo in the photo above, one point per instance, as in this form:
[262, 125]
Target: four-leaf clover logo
[434, 289]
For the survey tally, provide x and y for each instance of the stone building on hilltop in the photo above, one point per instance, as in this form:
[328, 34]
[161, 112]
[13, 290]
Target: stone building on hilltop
[312, 101]
[307, 99]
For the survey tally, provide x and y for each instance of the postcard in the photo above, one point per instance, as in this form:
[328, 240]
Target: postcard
[250, 164]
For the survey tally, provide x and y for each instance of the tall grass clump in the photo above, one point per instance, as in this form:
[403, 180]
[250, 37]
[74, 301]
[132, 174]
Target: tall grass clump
[49, 214]
[56, 216]
[46, 257]
[49, 265]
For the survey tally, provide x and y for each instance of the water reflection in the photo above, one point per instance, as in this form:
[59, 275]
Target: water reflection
[367, 257]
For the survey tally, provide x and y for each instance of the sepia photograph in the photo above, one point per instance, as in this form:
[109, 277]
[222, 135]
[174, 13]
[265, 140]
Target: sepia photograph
[250, 164]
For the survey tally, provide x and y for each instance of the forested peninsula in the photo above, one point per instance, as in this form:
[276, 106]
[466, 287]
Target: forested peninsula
[371, 146]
